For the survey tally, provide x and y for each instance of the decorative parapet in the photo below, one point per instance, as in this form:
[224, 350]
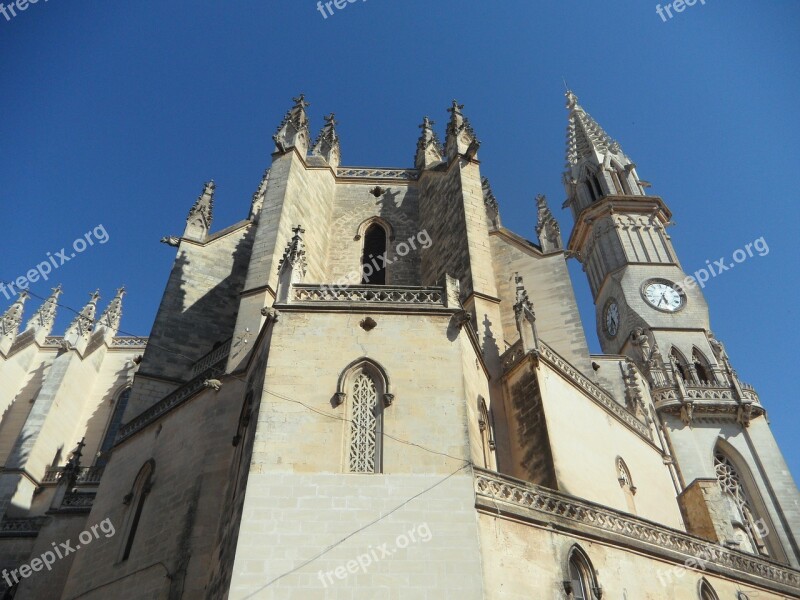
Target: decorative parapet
[499, 494]
[21, 527]
[86, 475]
[595, 392]
[75, 501]
[383, 174]
[216, 355]
[172, 400]
[707, 399]
[54, 341]
[129, 342]
[371, 294]
[512, 356]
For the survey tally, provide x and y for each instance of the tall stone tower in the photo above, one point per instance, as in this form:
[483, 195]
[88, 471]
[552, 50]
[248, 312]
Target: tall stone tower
[648, 309]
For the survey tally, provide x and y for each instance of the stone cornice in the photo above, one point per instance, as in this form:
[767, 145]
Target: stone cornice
[510, 498]
[611, 205]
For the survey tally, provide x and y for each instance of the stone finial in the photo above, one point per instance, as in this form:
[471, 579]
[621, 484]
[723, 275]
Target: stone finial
[198, 222]
[293, 130]
[295, 253]
[12, 318]
[43, 319]
[73, 467]
[81, 327]
[258, 197]
[490, 202]
[461, 138]
[525, 317]
[523, 302]
[547, 227]
[429, 149]
[327, 143]
[292, 267]
[633, 392]
[112, 315]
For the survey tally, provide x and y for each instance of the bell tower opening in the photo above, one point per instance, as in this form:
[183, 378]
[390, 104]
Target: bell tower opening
[373, 268]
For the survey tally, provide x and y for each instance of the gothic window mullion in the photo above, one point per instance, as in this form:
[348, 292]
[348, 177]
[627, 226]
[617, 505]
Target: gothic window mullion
[365, 427]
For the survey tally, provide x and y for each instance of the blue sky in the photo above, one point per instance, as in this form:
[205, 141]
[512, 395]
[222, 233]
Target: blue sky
[115, 114]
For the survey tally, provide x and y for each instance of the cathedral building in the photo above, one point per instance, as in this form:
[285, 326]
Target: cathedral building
[370, 388]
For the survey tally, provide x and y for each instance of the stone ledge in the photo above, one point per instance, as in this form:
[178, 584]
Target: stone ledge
[505, 496]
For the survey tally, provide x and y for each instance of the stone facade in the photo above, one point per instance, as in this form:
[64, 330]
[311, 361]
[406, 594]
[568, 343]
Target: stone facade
[371, 388]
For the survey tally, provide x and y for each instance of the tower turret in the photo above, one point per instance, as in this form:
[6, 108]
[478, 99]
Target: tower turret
[293, 130]
[429, 148]
[42, 321]
[327, 143]
[10, 321]
[108, 323]
[78, 332]
[461, 139]
[198, 223]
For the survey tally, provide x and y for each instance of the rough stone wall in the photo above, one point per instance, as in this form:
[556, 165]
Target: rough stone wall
[192, 450]
[353, 205]
[298, 499]
[203, 288]
[441, 213]
[549, 287]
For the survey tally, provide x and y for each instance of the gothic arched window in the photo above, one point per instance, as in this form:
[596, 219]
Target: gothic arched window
[135, 501]
[373, 267]
[702, 367]
[487, 432]
[749, 529]
[114, 424]
[706, 591]
[364, 391]
[365, 427]
[581, 583]
[680, 365]
[626, 483]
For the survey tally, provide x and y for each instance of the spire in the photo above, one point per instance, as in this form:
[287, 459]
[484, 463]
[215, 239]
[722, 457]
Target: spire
[198, 223]
[327, 143]
[461, 139]
[110, 319]
[258, 197]
[596, 165]
[81, 327]
[293, 130]
[489, 200]
[547, 228]
[429, 148]
[10, 321]
[43, 319]
[525, 317]
[585, 137]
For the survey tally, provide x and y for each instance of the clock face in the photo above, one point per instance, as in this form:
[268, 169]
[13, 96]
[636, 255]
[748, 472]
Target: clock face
[663, 295]
[612, 318]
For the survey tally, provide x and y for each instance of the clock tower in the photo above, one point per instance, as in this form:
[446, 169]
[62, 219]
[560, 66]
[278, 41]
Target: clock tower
[644, 308]
[648, 310]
